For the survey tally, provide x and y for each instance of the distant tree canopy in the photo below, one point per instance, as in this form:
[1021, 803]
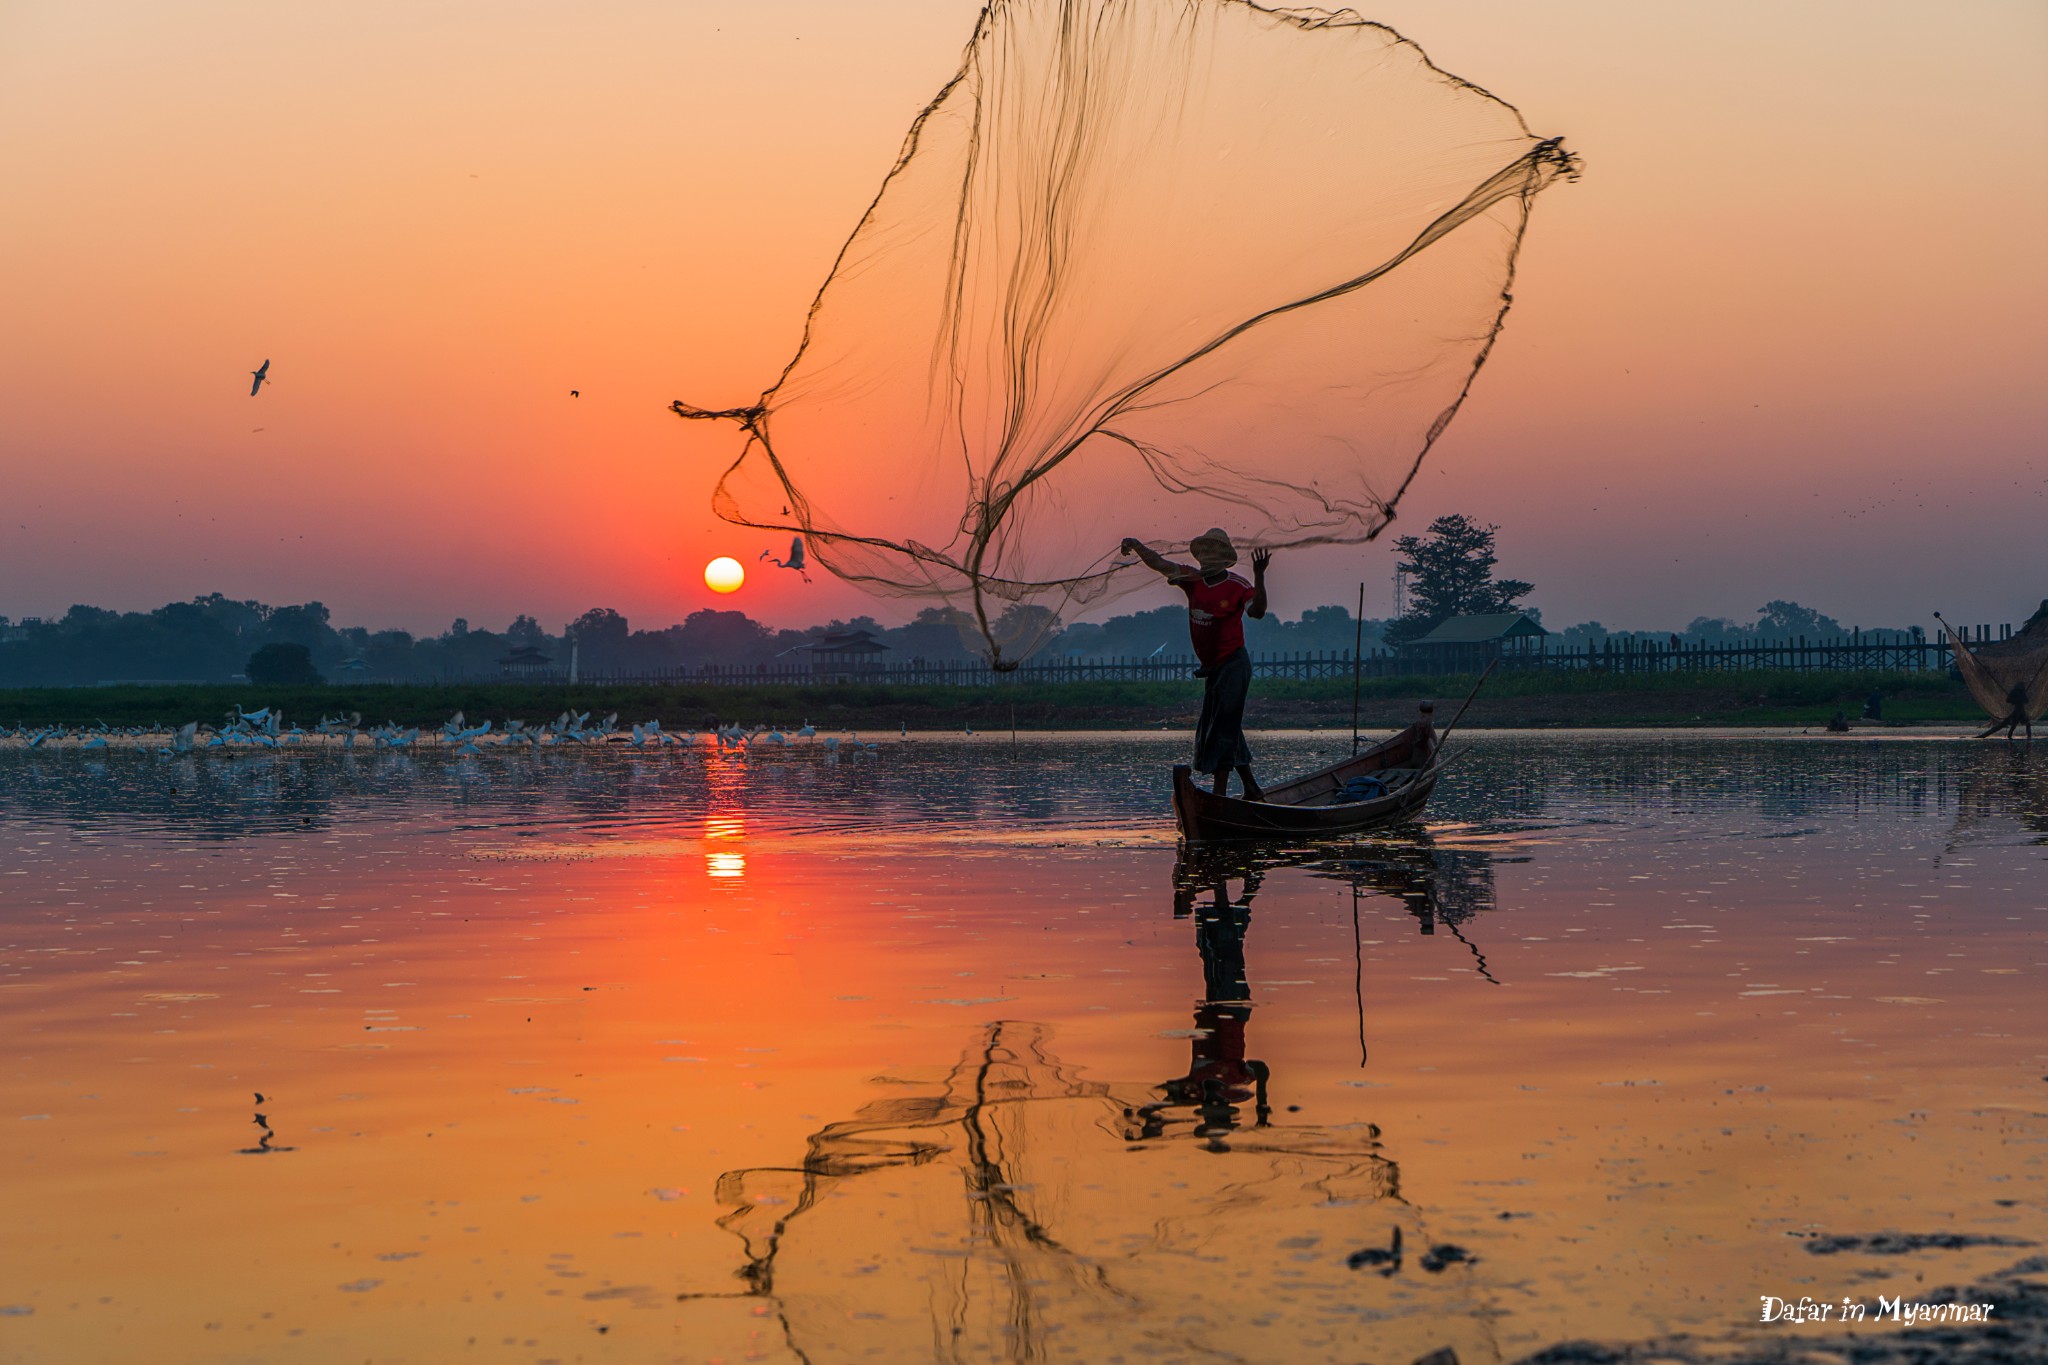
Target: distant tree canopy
[1777, 620]
[305, 625]
[283, 665]
[1450, 572]
[213, 638]
[724, 637]
[602, 635]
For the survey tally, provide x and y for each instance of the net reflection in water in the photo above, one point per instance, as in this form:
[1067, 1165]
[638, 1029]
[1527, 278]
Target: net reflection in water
[1017, 1211]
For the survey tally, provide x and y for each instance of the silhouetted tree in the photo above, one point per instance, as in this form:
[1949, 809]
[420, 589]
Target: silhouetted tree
[1450, 572]
[935, 634]
[82, 618]
[389, 653]
[1782, 620]
[601, 635]
[1027, 623]
[723, 637]
[244, 618]
[283, 665]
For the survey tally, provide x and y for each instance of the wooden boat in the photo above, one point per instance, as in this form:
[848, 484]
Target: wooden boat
[1406, 767]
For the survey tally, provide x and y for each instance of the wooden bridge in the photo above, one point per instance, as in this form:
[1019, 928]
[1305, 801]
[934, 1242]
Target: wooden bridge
[1617, 655]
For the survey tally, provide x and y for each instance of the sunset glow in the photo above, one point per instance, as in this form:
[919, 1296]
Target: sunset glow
[434, 247]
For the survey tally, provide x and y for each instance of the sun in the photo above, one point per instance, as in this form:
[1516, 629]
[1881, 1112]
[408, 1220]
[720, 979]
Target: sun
[724, 574]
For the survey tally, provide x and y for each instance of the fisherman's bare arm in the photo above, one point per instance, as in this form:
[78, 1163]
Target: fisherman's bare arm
[1260, 559]
[1155, 561]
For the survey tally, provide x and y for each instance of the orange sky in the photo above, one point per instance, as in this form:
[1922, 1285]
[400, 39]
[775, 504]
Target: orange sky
[1784, 339]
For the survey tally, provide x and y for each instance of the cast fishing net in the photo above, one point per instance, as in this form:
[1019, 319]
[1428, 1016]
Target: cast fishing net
[2010, 674]
[1143, 266]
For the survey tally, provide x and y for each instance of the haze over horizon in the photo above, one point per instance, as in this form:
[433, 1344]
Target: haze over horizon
[1784, 339]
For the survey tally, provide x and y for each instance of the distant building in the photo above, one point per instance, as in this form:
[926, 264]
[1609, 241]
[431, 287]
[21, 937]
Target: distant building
[1475, 641]
[355, 667]
[844, 655]
[526, 662]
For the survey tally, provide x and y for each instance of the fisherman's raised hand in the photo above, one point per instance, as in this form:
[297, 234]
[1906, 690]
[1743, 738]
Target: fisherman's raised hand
[1260, 559]
[1131, 546]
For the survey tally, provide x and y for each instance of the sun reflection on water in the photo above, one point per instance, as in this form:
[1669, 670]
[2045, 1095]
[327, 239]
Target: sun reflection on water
[724, 853]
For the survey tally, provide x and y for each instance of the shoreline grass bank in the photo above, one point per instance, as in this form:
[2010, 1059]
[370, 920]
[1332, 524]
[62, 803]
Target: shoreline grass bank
[1519, 700]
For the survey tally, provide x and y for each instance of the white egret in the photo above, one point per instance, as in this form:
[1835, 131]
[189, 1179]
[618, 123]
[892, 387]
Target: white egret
[795, 560]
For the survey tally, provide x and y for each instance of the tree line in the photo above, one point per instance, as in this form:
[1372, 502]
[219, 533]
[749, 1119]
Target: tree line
[1450, 570]
[215, 638]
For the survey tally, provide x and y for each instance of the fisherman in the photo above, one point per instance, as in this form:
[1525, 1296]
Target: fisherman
[2015, 718]
[1218, 602]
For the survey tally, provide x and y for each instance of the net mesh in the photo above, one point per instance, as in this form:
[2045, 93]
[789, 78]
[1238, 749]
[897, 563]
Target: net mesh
[2009, 679]
[1142, 266]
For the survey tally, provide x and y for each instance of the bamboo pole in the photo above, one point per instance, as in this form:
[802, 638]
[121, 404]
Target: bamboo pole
[1357, 648]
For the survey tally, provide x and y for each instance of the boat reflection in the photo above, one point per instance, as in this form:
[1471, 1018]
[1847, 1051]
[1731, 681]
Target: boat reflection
[1016, 1210]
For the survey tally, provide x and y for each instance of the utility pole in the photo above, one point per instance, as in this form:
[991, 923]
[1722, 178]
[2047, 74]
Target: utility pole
[1400, 581]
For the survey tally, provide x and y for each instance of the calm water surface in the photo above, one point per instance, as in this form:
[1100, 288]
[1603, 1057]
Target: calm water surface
[942, 1053]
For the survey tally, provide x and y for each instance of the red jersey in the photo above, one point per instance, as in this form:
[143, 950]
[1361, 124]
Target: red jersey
[1216, 615]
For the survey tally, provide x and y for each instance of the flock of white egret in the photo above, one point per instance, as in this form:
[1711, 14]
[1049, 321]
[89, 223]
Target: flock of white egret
[266, 729]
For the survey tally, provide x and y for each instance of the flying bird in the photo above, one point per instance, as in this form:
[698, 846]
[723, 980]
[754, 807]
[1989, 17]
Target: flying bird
[795, 560]
[260, 374]
[575, 393]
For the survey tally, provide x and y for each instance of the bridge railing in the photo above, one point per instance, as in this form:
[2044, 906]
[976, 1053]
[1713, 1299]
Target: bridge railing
[1616, 655]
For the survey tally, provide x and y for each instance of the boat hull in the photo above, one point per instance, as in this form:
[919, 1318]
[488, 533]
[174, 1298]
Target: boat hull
[1301, 808]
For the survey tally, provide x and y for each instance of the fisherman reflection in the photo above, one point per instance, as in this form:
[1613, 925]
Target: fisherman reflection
[1438, 886]
[1220, 1077]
